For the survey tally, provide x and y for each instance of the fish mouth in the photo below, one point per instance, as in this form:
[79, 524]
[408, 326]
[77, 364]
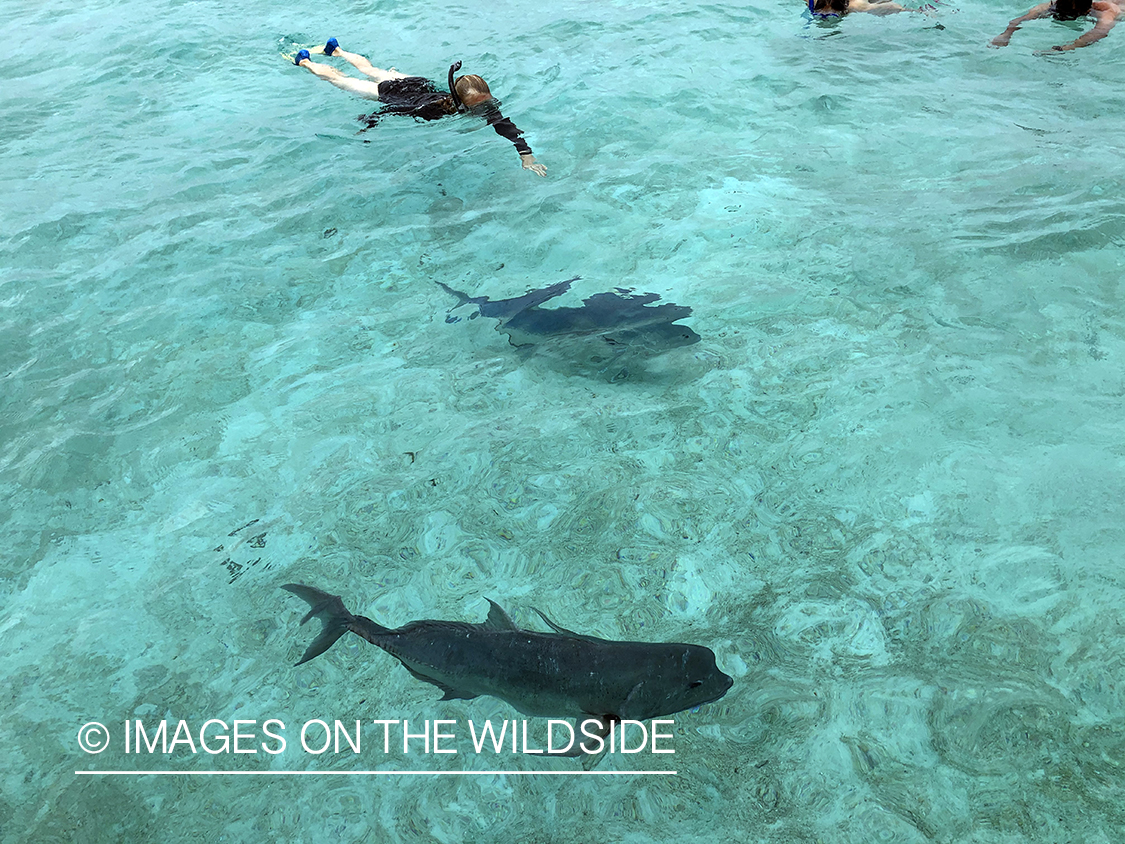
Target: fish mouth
[726, 688]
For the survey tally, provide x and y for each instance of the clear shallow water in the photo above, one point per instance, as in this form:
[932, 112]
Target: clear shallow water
[885, 487]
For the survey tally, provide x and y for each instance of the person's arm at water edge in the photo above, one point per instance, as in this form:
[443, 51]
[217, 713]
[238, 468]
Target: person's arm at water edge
[1043, 10]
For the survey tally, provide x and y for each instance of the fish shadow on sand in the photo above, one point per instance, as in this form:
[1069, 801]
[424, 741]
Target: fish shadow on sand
[610, 332]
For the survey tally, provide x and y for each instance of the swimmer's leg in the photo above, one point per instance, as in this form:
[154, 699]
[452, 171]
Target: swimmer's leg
[359, 87]
[366, 68]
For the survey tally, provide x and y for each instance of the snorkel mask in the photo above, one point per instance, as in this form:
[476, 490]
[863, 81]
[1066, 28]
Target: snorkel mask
[456, 66]
[814, 13]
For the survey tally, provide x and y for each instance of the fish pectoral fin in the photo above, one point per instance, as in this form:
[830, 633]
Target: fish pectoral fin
[574, 752]
[552, 624]
[453, 694]
[562, 630]
[606, 721]
[626, 710]
[497, 618]
[591, 760]
[450, 692]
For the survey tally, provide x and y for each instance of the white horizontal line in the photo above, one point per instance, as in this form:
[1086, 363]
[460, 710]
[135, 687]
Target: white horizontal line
[372, 773]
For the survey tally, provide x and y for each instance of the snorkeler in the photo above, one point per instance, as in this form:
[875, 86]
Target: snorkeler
[838, 8]
[1104, 12]
[418, 97]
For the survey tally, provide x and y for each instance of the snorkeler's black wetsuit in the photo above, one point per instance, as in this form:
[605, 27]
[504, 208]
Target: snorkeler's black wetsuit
[419, 98]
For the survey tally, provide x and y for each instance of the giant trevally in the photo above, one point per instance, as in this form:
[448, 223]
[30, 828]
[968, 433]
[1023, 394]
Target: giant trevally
[557, 674]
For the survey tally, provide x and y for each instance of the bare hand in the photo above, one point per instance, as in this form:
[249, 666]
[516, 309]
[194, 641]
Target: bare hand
[529, 163]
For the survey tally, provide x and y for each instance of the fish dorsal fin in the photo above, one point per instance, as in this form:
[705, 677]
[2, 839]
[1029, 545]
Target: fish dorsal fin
[563, 631]
[497, 618]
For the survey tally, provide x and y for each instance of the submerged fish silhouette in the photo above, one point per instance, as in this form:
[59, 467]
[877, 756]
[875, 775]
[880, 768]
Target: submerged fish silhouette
[560, 674]
[619, 318]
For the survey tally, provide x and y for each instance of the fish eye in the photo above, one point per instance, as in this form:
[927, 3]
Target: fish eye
[695, 684]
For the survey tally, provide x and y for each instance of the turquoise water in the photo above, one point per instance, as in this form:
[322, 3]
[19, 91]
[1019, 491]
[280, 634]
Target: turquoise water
[886, 487]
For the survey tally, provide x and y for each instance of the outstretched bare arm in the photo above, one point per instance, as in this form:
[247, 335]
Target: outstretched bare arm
[1106, 18]
[1043, 10]
[876, 8]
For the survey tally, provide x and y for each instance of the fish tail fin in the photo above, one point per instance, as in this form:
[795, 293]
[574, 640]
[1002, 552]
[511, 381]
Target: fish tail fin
[462, 298]
[332, 613]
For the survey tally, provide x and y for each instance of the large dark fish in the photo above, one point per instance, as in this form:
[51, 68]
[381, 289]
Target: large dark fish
[620, 318]
[559, 674]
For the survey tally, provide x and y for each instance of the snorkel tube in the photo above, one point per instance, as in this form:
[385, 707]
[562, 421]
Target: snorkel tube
[456, 66]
